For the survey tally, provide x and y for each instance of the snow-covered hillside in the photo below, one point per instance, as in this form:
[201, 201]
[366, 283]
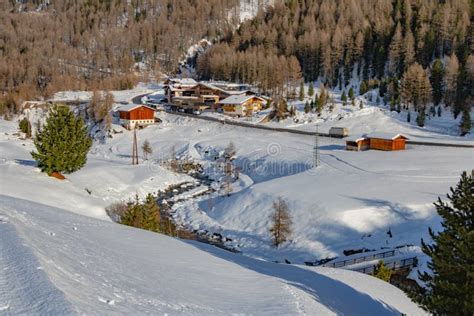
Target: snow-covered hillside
[75, 264]
[84, 263]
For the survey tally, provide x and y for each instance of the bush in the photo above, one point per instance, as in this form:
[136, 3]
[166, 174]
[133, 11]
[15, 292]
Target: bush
[382, 272]
[25, 127]
[62, 145]
[116, 210]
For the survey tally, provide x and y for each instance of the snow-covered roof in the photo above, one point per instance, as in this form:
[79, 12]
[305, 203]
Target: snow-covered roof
[183, 81]
[238, 99]
[131, 106]
[390, 136]
[355, 138]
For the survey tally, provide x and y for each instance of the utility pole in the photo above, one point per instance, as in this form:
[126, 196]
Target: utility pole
[316, 160]
[135, 147]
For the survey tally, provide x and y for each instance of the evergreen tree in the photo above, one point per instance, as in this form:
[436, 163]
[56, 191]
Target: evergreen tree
[351, 93]
[151, 214]
[392, 104]
[420, 119]
[62, 145]
[344, 98]
[436, 79]
[146, 148]
[311, 89]
[307, 107]
[301, 98]
[25, 127]
[133, 216]
[465, 125]
[382, 272]
[450, 284]
[363, 88]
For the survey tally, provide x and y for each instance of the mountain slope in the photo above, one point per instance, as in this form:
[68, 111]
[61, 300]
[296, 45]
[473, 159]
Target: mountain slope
[102, 267]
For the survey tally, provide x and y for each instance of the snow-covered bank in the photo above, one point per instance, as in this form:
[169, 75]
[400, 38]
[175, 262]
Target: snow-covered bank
[104, 268]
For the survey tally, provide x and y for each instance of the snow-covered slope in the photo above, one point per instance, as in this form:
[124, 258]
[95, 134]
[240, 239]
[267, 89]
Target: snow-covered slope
[76, 264]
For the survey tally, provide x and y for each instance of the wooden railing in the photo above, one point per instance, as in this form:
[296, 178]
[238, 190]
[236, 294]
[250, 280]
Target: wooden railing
[347, 262]
[395, 265]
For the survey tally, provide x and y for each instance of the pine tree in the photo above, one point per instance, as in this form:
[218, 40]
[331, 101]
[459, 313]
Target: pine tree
[301, 97]
[25, 127]
[146, 148]
[465, 125]
[351, 93]
[363, 88]
[392, 104]
[420, 119]
[281, 223]
[62, 145]
[133, 216]
[307, 107]
[450, 284]
[151, 214]
[344, 98]
[382, 272]
[311, 89]
[436, 79]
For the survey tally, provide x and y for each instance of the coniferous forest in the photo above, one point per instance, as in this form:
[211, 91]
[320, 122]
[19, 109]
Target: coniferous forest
[414, 51]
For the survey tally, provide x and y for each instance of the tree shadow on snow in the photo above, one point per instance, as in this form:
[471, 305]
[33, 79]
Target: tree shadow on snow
[24, 162]
[339, 297]
[332, 147]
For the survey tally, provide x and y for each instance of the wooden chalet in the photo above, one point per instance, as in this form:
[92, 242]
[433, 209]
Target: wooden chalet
[191, 95]
[242, 105]
[133, 115]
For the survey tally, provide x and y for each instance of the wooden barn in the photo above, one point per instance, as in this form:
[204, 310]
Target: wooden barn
[133, 115]
[386, 141]
[357, 143]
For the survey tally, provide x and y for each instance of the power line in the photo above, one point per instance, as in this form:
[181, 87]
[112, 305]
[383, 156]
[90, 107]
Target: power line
[135, 148]
[316, 159]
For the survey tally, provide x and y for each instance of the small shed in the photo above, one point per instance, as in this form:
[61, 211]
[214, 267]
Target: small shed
[133, 115]
[357, 143]
[386, 141]
[338, 132]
